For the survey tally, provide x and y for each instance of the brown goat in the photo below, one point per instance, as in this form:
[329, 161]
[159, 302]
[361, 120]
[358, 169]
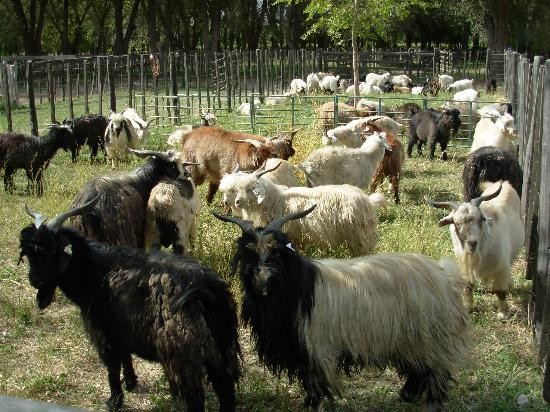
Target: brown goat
[390, 166]
[218, 151]
[325, 114]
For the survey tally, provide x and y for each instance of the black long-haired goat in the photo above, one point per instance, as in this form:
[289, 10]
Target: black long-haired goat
[490, 164]
[88, 129]
[160, 307]
[312, 318]
[32, 153]
[119, 217]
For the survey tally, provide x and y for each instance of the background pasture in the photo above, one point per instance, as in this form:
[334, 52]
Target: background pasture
[45, 355]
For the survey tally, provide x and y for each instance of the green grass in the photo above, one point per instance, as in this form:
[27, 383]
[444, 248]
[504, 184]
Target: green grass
[45, 354]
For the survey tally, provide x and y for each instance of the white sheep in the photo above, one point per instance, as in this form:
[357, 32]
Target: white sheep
[377, 79]
[345, 215]
[401, 80]
[333, 165]
[172, 215]
[245, 108]
[445, 81]
[499, 134]
[461, 85]
[329, 83]
[417, 90]
[298, 86]
[487, 235]
[368, 88]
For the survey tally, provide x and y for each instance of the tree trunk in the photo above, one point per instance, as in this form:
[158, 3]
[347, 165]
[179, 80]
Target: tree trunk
[215, 26]
[150, 14]
[355, 50]
[122, 39]
[496, 20]
[31, 30]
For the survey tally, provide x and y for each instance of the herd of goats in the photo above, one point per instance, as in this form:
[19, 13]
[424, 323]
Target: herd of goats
[310, 318]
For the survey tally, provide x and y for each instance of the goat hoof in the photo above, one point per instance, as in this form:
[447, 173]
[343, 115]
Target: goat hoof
[114, 403]
[130, 383]
[444, 156]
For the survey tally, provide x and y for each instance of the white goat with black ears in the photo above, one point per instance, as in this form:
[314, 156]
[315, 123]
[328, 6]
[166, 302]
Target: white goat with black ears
[314, 317]
[487, 235]
[345, 215]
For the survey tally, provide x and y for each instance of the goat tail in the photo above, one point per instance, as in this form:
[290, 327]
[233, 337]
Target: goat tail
[378, 200]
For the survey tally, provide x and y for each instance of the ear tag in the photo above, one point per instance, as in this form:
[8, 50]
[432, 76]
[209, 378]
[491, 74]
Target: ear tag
[68, 249]
[289, 245]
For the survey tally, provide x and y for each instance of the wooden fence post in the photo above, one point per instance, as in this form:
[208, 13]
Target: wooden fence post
[111, 77]
[175, 100]
[197, 73]
[130, 80]
[70, 90]
[85, 79]
[32, 103]
[7, 97]
[543, 260]
[99, 86]
[51, 92]
[258, 72]
[227, 65]
[142, 83]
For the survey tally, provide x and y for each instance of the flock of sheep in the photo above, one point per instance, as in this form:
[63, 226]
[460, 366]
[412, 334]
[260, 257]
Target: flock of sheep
[310, 318]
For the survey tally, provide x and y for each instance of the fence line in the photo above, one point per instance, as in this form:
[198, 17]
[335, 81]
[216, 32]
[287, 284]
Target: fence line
[529, 84]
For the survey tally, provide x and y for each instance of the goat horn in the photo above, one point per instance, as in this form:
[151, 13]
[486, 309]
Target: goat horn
[56, 223]
[38, 218]
[263, 172]
[477, 201]
[190, 164]
[278, 223]
[150, 121]
[442, 205]
[245, 225]
[257, 144]
[146, 153]
[237, 168]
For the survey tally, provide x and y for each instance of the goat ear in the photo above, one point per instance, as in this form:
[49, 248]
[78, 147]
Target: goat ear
[259, 192]
[447, 220]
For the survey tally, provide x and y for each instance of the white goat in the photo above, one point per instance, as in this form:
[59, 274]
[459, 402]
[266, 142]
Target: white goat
[401, 80]
[332, 165]
[377, 79]
[345, 215]
[245, 108]
[499, 134]
[172, 215]
[368, 88]
[140, 126]
[417, 90]
[329, 83]
[119, 135]
[461, 85]
[313, 83]
[380, 107]
[487, 235]
[467, 95]
[445, 81]
[345, 135]
[298, 86]
[494, 110]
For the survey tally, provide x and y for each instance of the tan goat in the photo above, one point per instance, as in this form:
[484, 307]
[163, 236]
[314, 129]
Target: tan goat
[218, 152]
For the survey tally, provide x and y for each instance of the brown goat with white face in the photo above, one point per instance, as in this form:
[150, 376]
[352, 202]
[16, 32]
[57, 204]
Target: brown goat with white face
[218, 152]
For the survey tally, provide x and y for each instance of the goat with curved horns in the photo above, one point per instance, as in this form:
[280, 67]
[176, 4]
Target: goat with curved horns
[315, 317]
[487, 235]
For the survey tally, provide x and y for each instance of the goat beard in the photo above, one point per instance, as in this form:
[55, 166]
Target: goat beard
[469, 263]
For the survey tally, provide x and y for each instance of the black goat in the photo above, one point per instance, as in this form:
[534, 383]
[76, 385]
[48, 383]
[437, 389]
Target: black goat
[313, 318]
[490, 164]
[88, 129]
[387, 87]
[33, 154]
[119, 216]
[430, 126]
[159, 307]
[491, 86]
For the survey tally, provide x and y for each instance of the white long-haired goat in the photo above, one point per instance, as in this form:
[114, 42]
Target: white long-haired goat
[345, 215]
[499, 134]
[313, 318]
[487, 235]
[335, 165]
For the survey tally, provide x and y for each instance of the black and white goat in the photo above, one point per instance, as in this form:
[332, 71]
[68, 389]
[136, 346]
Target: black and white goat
[119, 217]
[312, 317]
[33, 154]
[88, 129]
[162, 308]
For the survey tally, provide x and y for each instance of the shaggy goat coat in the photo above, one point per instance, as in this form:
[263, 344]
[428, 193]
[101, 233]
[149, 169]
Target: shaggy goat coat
[162, 308]
[333, 165]
[345, 215]
[312, 318]
[500, 134]
[490, 164]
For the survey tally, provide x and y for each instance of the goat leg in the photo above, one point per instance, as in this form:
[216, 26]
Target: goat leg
[502, 305]
[115, 400]
[468, 297]
[130, 377]
[212, 189]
